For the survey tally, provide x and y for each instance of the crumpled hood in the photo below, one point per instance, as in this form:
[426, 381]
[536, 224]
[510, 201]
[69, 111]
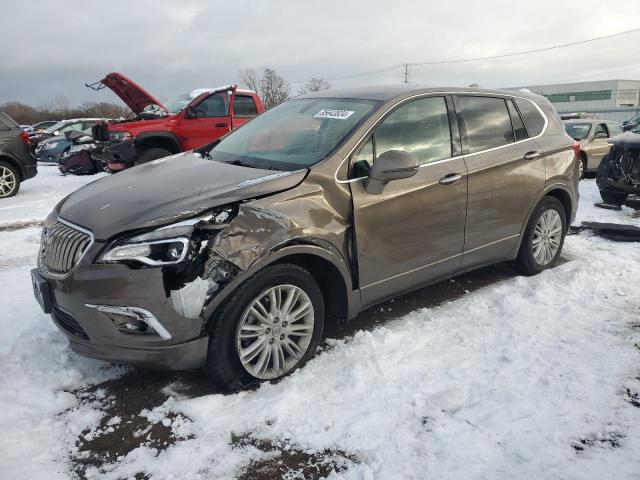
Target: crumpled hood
[167, 190]
[132, 94]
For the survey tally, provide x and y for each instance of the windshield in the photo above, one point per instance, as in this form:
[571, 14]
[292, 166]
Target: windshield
[577, 131]
[634, 119]
[178, 103]
[55, 126]
[296, 134]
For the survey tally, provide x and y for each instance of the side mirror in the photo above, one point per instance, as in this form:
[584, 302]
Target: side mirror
[391, 165]
[188, 112]
[599, 135]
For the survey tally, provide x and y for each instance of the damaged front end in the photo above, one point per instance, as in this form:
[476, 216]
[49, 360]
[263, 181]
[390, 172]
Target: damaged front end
[192, 272]
[619, 171]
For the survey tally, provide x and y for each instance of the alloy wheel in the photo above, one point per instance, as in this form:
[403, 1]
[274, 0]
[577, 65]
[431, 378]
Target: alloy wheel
[7, 181]
[547, 237]
[275, 331]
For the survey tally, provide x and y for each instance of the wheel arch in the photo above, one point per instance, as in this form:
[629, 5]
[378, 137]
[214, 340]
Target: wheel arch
[326, 267]
[557, 191]
[14, 163]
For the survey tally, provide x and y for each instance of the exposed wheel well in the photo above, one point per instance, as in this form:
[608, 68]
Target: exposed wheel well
[14, 164]
[565, 199]
[158, 142]
[329, 280]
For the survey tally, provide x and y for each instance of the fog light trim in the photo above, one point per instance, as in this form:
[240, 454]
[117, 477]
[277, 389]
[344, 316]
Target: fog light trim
[139, 314]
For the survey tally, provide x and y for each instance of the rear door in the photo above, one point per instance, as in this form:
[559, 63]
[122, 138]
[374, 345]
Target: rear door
[506, 173]
[413, 231]
[210, 120]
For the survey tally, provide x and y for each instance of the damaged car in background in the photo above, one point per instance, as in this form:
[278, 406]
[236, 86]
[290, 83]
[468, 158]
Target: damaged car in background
[156, 130]
[619, 172]
[233, 256]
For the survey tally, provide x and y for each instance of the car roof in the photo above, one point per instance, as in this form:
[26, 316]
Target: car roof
[389, 92]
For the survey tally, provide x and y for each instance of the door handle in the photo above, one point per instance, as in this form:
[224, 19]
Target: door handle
[222, 125]
[532, 155]
[450, 178]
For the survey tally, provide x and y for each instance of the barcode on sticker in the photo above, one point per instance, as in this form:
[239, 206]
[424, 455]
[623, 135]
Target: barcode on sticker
[338, 114]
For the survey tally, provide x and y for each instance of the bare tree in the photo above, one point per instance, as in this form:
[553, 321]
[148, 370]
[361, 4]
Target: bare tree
[26, 114]
[250, 79]
[314, 85]
[273, 88]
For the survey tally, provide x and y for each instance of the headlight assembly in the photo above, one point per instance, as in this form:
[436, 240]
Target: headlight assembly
[169, 245]
[120, 136]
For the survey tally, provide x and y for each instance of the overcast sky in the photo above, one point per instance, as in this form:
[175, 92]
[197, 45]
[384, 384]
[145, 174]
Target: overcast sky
[48, 49]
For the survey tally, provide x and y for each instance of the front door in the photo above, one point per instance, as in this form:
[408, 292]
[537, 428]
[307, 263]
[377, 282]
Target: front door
[210, 120]
[599, 144]
[413, 231]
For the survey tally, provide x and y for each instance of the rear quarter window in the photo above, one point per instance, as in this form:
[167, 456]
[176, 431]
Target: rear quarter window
[533, 119]
[244, 106]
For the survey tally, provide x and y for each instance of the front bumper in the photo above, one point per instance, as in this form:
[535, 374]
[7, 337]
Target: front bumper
[95, 332]
[121, 152]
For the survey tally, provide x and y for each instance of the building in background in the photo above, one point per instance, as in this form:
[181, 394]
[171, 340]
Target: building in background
[616, 100]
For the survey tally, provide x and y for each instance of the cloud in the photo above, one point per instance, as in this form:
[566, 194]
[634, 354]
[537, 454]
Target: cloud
[52, 49]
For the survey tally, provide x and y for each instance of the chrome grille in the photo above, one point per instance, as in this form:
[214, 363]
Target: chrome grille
[62, 246]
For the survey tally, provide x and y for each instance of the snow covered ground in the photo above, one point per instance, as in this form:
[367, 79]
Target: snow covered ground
[526, 378]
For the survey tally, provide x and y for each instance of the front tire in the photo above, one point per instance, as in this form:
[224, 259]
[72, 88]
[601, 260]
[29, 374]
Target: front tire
[543, 238]
[151, 154]
[269, 327]
[9, 180]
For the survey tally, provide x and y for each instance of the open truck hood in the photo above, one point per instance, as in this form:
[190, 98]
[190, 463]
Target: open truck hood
[165, 191]
[132, 94]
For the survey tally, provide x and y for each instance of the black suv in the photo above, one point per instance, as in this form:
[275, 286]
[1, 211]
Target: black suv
[16, 163]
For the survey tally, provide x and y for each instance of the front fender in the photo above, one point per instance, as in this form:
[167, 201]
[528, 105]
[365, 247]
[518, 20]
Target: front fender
[309, 246]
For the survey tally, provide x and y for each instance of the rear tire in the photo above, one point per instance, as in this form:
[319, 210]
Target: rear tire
[613, 198]
[542, 243]
[151, 154]
[9, 180]
[228, 338]
[583, 167]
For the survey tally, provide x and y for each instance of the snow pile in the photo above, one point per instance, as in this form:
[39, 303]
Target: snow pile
[38, 195]
[525, 378]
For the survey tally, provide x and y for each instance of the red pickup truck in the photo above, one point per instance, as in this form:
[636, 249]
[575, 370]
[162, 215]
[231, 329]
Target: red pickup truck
[157, 130]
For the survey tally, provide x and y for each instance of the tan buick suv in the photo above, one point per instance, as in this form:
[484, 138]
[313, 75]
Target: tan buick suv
[235, 256]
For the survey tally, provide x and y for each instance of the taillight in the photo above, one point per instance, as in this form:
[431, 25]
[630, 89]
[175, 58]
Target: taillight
[25, 138]
[576, 149]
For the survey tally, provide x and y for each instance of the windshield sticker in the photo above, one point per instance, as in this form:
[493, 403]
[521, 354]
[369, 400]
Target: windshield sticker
[337, 114]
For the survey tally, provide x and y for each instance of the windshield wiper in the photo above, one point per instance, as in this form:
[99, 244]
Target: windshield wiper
[240, 163]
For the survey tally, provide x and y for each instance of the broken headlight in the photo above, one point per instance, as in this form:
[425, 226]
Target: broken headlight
[167, 245]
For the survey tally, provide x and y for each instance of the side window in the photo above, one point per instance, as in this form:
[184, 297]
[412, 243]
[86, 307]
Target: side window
[215, 105]
[420, 128]
[3, 126]
[600, 128]
[533, 120]
[86, 126]
[516, 122]
[363, 159]
[487, 122]
[244, 106]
